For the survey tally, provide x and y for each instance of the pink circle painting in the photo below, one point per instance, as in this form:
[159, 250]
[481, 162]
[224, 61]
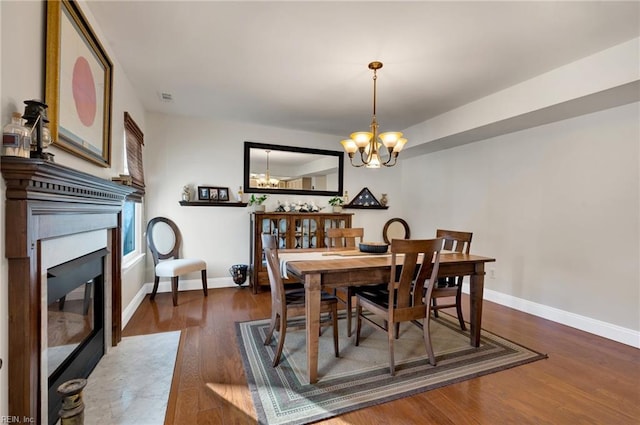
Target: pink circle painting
[84, 91]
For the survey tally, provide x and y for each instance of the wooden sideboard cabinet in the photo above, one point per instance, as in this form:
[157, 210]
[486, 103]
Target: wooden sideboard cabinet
[294, 231]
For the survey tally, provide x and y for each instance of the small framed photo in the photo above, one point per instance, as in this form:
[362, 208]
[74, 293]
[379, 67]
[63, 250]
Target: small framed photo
[213, 194]
[223, 194]
[203, 193]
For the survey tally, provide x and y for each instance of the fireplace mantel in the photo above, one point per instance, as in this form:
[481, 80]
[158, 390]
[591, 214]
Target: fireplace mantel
[45, 200]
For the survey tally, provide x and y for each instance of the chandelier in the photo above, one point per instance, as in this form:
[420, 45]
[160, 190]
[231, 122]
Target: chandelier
[267, 181]
[367, 143]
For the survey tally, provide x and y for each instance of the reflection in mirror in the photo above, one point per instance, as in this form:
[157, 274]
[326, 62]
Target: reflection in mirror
[395, 228]
[69, 322]
[292, 170]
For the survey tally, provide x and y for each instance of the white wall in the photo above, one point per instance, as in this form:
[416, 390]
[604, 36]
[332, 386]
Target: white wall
[180, 151]
[21, 78]
[556, 205]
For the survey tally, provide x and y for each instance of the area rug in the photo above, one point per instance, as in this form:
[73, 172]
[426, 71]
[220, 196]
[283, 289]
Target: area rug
[131, 384]
[360, 377]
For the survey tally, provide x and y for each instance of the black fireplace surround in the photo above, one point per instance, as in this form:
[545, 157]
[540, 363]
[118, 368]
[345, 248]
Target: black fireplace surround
[85, 271]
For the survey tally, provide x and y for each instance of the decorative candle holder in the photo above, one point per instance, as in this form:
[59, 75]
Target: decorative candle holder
[72, 412]
[36, 115]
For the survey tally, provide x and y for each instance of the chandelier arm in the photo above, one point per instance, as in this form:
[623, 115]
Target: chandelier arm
[395, 159]
[352, 163]
[362, 158]
[391, 156]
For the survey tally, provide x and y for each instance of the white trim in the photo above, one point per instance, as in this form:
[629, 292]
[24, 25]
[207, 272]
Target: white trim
[130, 309]
[132, 261]
[165, 286]
[587, 324]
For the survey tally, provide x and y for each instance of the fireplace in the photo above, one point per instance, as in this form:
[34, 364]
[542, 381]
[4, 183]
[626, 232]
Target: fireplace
[75, 323]
[45, 203]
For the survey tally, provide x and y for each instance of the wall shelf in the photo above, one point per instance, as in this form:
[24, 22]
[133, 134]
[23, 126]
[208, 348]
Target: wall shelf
[212, 204]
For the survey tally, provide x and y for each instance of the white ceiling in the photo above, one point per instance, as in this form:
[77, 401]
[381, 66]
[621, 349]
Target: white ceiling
[303, 65]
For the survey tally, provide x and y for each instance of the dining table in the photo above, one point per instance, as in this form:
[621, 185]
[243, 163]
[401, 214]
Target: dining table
[320, 269]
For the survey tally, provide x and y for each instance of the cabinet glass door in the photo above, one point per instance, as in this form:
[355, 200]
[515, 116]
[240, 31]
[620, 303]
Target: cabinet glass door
[306, 232]
[329, 223]
[269, 226]
[283, 227]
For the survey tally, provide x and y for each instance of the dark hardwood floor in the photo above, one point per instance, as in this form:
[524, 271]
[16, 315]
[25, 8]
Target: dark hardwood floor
[585, 380]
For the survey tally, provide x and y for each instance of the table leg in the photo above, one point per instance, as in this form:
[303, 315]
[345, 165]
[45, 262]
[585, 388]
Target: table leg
[312, 310]
[476, 293]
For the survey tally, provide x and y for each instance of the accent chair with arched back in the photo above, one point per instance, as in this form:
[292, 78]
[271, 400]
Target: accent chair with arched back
[395, 228]
[164, 240]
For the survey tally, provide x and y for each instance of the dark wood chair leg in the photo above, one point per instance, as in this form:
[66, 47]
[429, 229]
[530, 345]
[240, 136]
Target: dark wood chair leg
[283, 333]
[204, 282]
[156, 281]
[459, 308]
[272, 327]
[427, 341]
[174, 289]
[349, 312]
[358, 322]
[334, 318]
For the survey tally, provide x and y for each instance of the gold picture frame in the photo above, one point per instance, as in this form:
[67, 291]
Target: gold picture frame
[78, 88]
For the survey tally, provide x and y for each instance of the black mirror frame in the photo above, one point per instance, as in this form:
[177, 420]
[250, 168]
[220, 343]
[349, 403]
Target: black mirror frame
[247, 150]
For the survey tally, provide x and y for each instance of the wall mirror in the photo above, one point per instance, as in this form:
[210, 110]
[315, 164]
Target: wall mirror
[292, 170]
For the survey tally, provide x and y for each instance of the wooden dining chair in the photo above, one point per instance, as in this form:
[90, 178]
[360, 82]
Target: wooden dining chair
[345, 237]
[451, 286]
[164, 241]
[291, 303]
[404, 300]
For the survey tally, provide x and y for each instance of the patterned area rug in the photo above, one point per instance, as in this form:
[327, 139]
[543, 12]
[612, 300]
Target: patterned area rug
[360, 377]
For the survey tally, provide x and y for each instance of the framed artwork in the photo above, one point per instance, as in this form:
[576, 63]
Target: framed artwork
[213, 194]
[78, 87]
[223, 194]
[203, 193]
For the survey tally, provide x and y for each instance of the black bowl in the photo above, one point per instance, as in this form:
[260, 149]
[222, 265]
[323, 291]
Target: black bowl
[374, 247]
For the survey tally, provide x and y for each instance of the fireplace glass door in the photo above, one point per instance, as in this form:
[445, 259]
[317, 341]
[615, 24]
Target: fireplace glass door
[75, 322]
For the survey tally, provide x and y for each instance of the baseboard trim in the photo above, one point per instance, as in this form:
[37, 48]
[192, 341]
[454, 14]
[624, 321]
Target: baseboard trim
[587, 324]
[165, 286]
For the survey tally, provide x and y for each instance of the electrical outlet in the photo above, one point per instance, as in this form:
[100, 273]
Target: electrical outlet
[492, 273]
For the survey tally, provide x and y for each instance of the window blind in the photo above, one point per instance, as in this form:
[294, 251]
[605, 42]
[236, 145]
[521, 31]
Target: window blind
[134, 142]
